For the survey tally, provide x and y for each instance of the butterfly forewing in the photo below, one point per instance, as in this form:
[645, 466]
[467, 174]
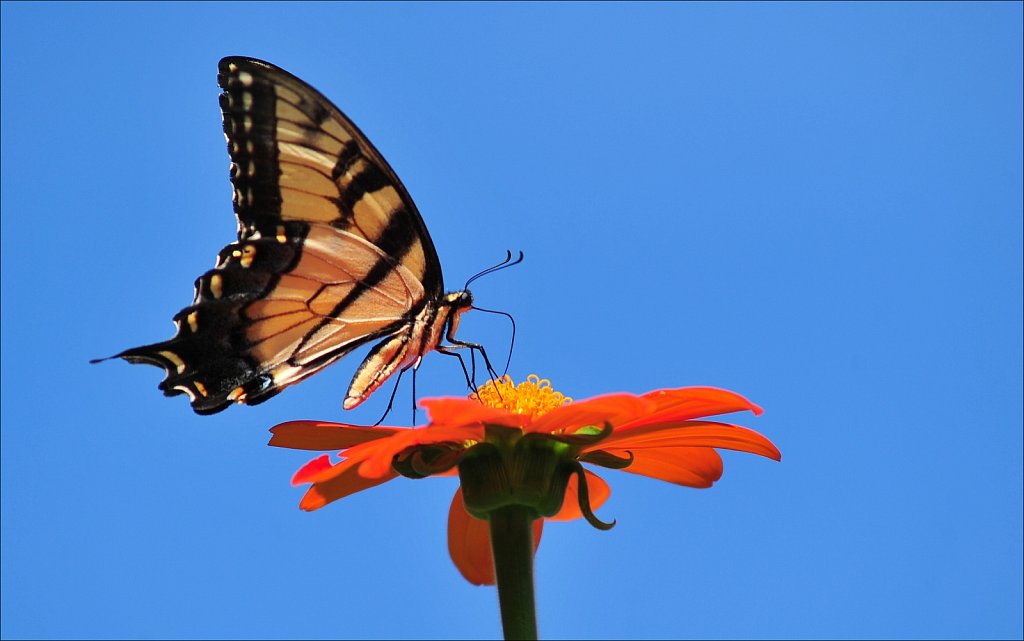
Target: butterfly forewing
[331, 254]
[295, 156]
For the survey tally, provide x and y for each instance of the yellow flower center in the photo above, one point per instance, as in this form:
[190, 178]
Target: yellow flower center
[534, 396]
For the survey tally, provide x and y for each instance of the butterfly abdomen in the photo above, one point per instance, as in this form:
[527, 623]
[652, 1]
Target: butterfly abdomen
[423, 334]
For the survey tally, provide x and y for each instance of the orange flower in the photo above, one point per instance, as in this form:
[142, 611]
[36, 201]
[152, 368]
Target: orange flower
[524, 444]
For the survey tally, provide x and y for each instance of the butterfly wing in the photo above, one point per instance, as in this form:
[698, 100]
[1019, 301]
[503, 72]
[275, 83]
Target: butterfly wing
[331, 251]
[296, 157]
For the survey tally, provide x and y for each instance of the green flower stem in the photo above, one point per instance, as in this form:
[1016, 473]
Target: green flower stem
[512, 546]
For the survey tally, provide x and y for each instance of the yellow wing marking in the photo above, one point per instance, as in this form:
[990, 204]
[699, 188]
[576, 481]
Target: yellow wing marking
[294, 125]
[299, 205]
[300, 154]
[308, 152]
[307, 179]
[174, 358]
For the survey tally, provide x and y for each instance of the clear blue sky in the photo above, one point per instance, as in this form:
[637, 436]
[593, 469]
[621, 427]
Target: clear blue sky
[817, 206]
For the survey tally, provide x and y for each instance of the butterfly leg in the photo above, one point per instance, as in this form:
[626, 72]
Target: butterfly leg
[414, 370]
[391, 400]
[446, 350]
[456, 344]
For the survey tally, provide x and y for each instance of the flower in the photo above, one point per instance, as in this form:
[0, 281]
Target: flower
[524, 445]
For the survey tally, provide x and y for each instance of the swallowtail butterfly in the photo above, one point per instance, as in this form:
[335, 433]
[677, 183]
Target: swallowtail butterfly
[331, 254]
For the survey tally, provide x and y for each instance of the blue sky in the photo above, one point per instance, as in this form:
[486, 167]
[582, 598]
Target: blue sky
[817, 206]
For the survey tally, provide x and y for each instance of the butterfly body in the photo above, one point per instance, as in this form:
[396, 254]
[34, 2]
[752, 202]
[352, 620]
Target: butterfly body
[331, 254]
[433, 323]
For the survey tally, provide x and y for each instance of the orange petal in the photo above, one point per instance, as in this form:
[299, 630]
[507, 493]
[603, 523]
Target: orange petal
[469, 543]
[464, 411]
[613, 408]
[347, 481]
[320, 470]
[311, 472]
[688, 403]
[691, 434]
[323, 436]
[689, 466]
[599, 493]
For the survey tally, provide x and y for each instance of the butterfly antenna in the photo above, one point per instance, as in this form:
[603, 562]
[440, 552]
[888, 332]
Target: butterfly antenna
[471, 377]
[512, 343]
[508, 262]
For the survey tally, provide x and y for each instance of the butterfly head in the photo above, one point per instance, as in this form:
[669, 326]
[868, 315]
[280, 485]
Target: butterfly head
[456, 303]
[459, 301]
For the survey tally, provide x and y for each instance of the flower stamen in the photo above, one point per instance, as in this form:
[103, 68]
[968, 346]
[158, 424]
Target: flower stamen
[533, 397]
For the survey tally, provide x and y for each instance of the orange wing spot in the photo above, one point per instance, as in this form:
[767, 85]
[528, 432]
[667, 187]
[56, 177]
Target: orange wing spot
[248, 254]
[237, 394]
[281, 236]
[200, 388]
[193, 322]
[216, 285]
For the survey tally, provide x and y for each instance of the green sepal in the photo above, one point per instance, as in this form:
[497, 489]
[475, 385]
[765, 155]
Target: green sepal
[532, 473]
[582, 437]
[604, 459]
[583, 496]
[422, 461]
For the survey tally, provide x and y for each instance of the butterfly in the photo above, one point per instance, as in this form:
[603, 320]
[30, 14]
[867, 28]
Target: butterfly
[331, 254]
